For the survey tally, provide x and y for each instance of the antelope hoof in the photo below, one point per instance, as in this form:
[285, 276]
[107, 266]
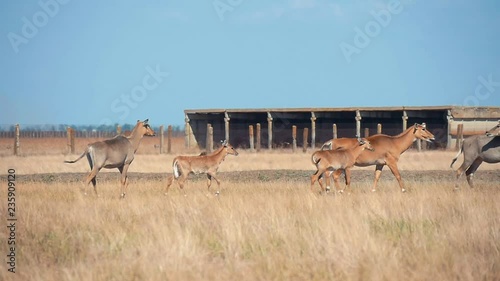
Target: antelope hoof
[373, 190]
[403, 190]
[341, 191]
[217, 193]
[122, 195]
[328, 189]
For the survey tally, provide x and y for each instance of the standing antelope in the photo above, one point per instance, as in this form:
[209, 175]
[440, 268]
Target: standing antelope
[117, 152]
[387, 150]
[478, 149]
[335, 160]
[201, 164]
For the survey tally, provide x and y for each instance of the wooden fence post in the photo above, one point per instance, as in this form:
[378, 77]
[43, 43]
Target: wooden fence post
[169, 139]
[367, 132]
[258, 144]
[70, 133]
[17, 143]
[118, 130]
[334, 131]
[305, 137]
[161, 139]
[379, 128]
[251, 137]
[294, 138]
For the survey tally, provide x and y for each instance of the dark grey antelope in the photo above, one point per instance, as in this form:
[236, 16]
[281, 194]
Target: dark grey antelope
[495, 131]
[477, 149]
[117, 152]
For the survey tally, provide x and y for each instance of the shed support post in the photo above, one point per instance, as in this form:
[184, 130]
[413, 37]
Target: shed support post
[313, 130]
[358, 124]
[187, 132]
[226, 126]
[450, 124]
[269, 131]
[405, 120]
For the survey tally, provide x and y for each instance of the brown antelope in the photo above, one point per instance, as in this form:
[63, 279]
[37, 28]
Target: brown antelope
[333, 160]
[386, 151]
[117, 152]
[202, 164]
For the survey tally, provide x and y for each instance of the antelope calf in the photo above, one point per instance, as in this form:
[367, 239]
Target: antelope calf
[333, 160]
[202, 164]
[117, 152]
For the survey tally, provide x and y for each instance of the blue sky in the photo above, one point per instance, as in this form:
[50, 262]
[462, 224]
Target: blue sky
[91, 62]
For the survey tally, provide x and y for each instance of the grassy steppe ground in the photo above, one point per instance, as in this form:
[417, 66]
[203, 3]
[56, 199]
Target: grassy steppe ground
[265, 225]
[268, 228]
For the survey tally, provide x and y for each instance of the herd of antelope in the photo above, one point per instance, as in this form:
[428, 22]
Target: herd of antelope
[336, 156]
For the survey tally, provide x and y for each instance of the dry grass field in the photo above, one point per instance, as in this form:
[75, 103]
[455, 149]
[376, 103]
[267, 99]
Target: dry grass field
[265, 225]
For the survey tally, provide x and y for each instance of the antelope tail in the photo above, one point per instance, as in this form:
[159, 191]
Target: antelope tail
[456, 157]
[315, 160]
[177, 171]
[76, 160]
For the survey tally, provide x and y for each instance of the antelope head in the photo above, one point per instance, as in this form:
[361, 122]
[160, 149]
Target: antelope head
[229, 148]
[144, 128]
[495, 131]
[364, 142]
[420, 131]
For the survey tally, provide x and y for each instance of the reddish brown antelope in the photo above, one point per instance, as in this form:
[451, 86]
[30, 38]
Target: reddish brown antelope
[386, 151]
[202, 164]
[117, 152]
[333, 160]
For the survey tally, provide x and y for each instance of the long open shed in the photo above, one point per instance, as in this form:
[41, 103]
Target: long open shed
[321, 123]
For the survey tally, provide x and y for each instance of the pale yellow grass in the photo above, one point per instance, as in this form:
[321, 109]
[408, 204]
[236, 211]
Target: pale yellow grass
[255, 231]
[245, 161]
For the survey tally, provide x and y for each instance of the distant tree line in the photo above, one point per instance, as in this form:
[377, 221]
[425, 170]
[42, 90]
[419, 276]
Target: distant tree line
[62, 127]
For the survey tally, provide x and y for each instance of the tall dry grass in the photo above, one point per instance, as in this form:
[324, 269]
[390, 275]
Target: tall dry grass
[259, 228]
[274, 230]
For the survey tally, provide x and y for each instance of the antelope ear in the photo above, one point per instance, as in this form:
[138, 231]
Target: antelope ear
[138, 120]
[224, 143]
[424, 125]
[146, 121]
